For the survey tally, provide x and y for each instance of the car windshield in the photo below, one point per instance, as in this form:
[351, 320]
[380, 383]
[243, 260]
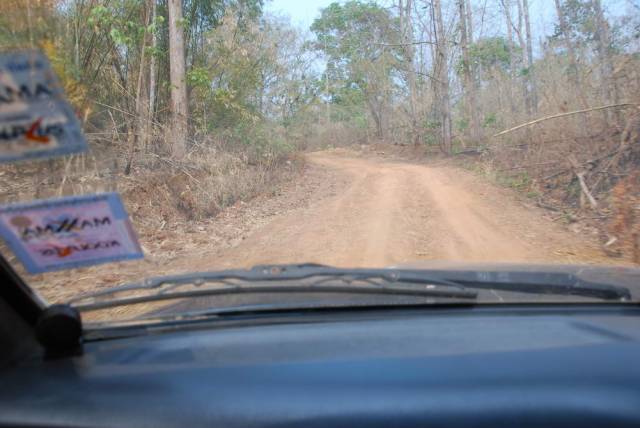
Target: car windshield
[417, 145]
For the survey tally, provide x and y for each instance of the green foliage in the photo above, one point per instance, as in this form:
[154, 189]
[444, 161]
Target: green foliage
[349, 31]
[462, 124]
[581, 21]
[519, 181]
[488, 53]
[199, 77]
[582, 24]
[356, 39]
[252, 85]
[432, 124]
[431, 140]
[490, 120]
[118, 20]
[203, 16]
[261, 140]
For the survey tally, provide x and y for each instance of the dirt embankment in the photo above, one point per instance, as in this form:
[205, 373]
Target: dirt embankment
[352, 208]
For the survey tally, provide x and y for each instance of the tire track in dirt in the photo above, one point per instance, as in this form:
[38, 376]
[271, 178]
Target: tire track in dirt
[391, 212]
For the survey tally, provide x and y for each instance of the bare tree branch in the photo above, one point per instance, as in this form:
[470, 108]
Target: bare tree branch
[555, 116]
[423, 42]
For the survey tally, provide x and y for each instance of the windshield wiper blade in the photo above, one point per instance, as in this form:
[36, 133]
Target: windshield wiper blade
[531, 279]
[321, 280]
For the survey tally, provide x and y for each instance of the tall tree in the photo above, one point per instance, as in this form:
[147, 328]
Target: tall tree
[530, 78]
[574, 71]
[179, 106]
[469, 84]
[408, 51]
[141, 96]
[469, 19]
[153, 70]
[361, 45]
[444, 100]
[506, 7]
[610, 92]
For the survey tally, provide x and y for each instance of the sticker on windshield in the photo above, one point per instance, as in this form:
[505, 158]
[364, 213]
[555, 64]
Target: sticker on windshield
[36, 121]
[69, 232]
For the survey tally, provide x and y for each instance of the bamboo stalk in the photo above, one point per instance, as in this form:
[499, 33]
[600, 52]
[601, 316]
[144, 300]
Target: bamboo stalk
[556, 116]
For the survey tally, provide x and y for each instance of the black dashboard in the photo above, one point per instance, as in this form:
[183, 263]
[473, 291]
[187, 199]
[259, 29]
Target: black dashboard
[459, 367]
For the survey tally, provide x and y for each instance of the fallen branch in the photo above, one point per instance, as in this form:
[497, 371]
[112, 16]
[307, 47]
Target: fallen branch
[629, 135]
[423, 42]
[546, 207]
[586, 191]
[555, 174]
[474, 152]
[590, 161]
[556, 116]
[583, 184]
[530, 165]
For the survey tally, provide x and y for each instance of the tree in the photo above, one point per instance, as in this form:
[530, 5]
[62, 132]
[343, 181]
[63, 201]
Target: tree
[565, 31]
[506, 7]
[204, 15]
[610, 91]
[488, 54]
[179, 105]
[442, 72]
[360, 43]
[469, 83]
[531, 95]
[408, 53]
[153, 68]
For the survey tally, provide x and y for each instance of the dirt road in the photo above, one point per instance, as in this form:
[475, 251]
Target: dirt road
[351, 209]
[384, 212]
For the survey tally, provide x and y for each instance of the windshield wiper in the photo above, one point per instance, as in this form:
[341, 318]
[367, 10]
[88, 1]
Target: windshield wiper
[531, 279]
[313, 278]
[261, 279]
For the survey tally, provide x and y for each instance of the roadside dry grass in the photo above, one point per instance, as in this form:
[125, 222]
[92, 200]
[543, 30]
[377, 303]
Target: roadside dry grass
[175, 207]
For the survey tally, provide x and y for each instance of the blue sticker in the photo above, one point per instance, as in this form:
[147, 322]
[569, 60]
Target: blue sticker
[36, 121]
[69, 232]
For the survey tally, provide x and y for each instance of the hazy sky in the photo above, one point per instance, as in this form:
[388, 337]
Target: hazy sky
[303, 12]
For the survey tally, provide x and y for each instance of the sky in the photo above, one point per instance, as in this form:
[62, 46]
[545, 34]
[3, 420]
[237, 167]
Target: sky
[302, 12]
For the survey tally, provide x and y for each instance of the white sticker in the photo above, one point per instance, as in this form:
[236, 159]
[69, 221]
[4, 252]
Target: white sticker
[36, 121]
[69, 232]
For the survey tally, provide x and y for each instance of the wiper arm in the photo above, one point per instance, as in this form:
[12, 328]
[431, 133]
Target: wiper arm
[557, 280]
[260, 279]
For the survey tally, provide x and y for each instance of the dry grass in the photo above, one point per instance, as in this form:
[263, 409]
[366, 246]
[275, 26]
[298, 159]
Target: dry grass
[537, 164]
[606, 145]
[163, 198]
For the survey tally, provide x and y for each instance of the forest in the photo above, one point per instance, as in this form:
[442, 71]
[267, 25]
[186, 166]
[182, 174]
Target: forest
[190, 106]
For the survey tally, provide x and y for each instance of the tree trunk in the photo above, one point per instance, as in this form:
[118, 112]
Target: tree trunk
[408, 50]
[474, 75]
[469, 19]
[574, 73]
[468, 81]
[377, 118]
[153, 71]
[506, 7]
[532, 92]
[137, 131]
[444, 103]
[179, 107]
[610, 91]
